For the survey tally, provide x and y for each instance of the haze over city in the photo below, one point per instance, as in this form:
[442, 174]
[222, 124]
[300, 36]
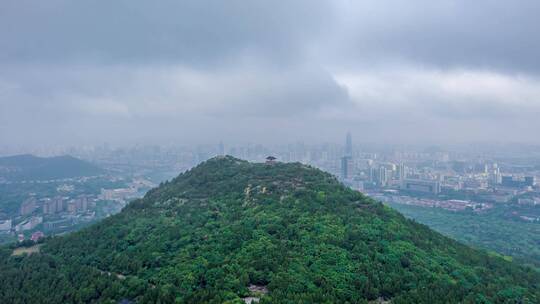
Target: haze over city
[192, 72]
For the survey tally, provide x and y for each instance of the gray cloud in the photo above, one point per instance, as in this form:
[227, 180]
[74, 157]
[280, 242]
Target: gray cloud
[199, 71]
[195, 32]
[164, 99]
[485, 34]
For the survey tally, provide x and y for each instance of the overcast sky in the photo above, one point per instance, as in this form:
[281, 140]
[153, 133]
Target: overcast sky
[415, 71]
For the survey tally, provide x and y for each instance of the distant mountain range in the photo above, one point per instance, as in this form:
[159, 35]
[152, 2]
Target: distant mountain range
[29, 167]
[230, 231]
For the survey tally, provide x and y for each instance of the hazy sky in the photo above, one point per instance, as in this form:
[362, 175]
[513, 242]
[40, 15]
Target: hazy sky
[201, 71]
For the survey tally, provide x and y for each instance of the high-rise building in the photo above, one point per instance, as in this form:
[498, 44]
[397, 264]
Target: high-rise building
[383, 176]
[71, 207]
[28, 206]
[53, 206]
[401, 171]
[373, 174]
[346, 167]
[49, 207]
[59, 204]
[495, 176]
[348, 145]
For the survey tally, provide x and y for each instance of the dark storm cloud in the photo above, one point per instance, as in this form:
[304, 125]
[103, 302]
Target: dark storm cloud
[163, 99]
[88, 71]
[486, 34]
[195, 32]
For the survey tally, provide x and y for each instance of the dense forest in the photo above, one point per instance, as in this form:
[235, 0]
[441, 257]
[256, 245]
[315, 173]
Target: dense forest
[212, 232]
[496, 230]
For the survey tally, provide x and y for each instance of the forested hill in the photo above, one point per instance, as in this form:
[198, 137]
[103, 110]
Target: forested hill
[227, 225]
[31, 168]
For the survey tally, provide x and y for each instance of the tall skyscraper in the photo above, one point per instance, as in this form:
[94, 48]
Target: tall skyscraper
[346, 167]
[373, 174]
[383, 176]
[401, 172]
[348, 144]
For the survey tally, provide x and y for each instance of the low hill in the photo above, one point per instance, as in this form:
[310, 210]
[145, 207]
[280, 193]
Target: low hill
[230, 231]
[29, 167]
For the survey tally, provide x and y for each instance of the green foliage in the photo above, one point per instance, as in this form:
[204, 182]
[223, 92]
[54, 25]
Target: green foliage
[495, 230]
[208, 234]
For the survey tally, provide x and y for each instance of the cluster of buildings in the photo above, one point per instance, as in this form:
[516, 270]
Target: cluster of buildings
[366, 174]
[454, 180]
[66, 210]
[60, 213]
[423, 172]
[48, 214]
[7, 226]
[440, 179]
[55, 205]
[121, 195]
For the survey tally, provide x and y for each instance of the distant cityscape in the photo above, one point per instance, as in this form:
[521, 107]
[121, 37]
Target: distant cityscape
[41, 215]
[433, 177]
